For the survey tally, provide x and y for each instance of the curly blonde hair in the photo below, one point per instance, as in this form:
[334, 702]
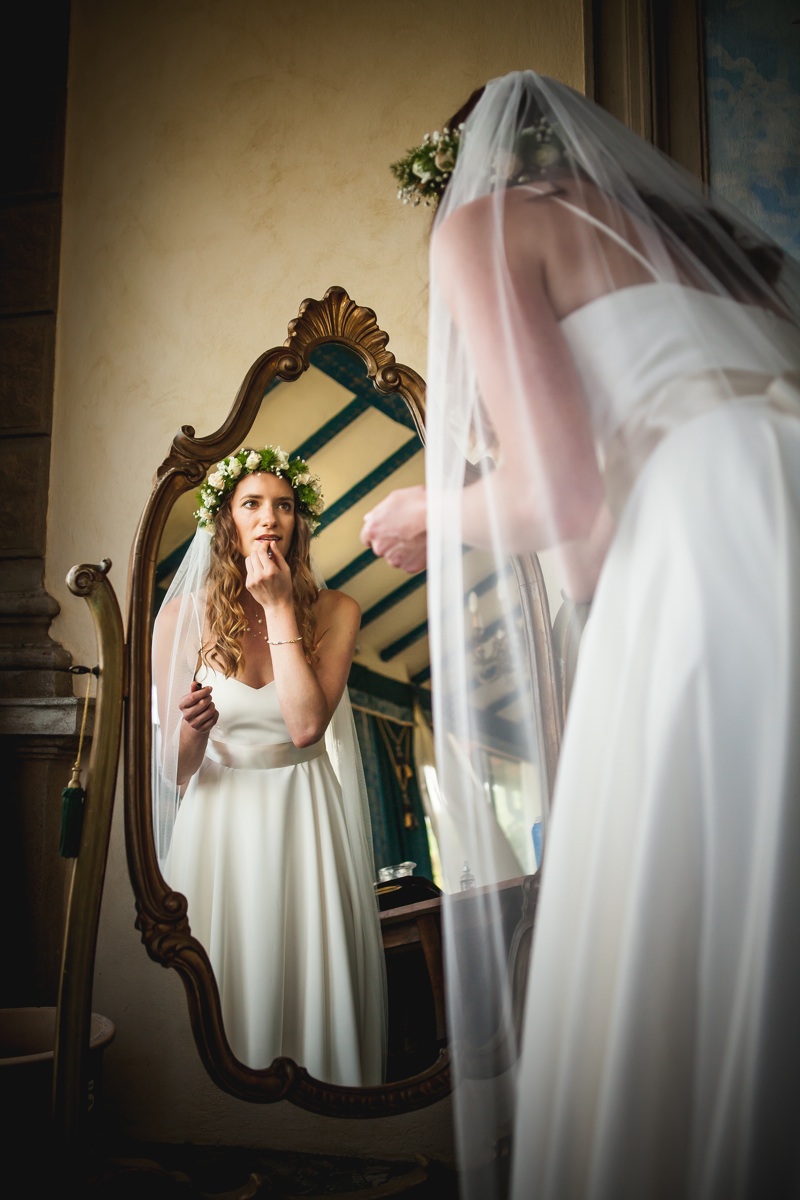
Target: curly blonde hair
[225, 587]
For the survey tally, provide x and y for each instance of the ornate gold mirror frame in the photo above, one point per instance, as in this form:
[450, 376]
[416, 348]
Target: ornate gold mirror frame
[162, 917]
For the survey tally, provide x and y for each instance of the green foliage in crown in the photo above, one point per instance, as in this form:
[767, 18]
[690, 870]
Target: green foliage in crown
[229, 471]
[425, 170]
[423, 174]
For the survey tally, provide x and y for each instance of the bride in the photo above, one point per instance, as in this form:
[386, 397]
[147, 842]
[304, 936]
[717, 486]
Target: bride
[264, 831]
[613, 376]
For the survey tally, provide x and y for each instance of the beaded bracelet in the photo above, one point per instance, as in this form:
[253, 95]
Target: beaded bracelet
[286, 642]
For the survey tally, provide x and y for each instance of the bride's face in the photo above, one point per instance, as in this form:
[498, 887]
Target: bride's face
[263, 511]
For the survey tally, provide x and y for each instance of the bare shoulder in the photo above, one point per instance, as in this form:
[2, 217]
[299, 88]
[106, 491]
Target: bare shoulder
[457, 241]
[464, 243]
[551, 215]
[334, 608]
[338, 622]
[188, 606]
[551, 202]
[479, 216]
[167, 616]
[464, 249]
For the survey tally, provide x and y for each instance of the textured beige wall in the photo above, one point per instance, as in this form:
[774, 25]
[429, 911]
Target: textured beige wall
[226, 159]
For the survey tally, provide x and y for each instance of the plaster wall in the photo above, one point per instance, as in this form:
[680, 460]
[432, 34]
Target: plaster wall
[224, 160]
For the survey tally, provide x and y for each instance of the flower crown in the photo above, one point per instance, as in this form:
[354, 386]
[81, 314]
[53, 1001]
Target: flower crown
[226, 475]
[424, 172]
[535, 151]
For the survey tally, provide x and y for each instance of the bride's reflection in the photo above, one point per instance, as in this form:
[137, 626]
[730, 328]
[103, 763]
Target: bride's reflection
[260, 814]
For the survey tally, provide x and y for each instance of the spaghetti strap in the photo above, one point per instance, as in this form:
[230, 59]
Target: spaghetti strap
[615, 237]
[199, 636]
[197, 618]
[601, 225]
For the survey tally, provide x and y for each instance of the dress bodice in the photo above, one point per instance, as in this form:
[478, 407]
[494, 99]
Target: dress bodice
[246, 714]
[629, 343]
[251, 731]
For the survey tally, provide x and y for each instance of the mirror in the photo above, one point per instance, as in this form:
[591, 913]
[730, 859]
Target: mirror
[333, 369]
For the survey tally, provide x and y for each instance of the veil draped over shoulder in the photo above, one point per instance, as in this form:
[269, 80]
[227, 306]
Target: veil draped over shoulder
[638, 236]
[177, 646]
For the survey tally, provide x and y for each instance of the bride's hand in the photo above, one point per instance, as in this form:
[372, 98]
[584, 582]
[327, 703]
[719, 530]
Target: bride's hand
[396, 529]
[269, 577]
[198, 709]
[410, 557]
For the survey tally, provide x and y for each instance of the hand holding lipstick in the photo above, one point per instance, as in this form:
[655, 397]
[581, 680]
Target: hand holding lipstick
[198, 709]
[268, 576]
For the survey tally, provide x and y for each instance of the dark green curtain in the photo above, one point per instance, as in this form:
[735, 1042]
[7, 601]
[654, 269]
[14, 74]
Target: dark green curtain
[399, 833]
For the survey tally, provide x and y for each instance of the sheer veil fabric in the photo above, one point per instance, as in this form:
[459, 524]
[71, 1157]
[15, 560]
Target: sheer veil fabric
[659, 1055]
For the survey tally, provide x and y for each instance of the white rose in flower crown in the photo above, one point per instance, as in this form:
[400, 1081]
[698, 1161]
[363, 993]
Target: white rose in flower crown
[318, 506]
[506, 164]
[283, 458]
[302, 478]
[216, 481]
[252, 461]
[420, 170]
[547, 155]
[235, 468]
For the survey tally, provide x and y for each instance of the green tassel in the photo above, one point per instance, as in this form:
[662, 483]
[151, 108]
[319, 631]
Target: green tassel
[72, 800]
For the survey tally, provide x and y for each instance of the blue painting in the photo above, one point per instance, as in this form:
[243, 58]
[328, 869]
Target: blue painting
[752, 50]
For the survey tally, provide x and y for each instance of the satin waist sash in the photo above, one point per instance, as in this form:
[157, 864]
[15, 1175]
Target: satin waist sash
[679, 401]
[262, 756]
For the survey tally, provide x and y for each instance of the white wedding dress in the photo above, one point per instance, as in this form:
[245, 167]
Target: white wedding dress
[260, 850]
[661, 1053]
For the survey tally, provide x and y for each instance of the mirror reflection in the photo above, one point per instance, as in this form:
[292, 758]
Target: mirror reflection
[306, 843]
[274, 856]
[269, 843]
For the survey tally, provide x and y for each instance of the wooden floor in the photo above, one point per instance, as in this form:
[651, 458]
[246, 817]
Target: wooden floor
[147, 1171]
